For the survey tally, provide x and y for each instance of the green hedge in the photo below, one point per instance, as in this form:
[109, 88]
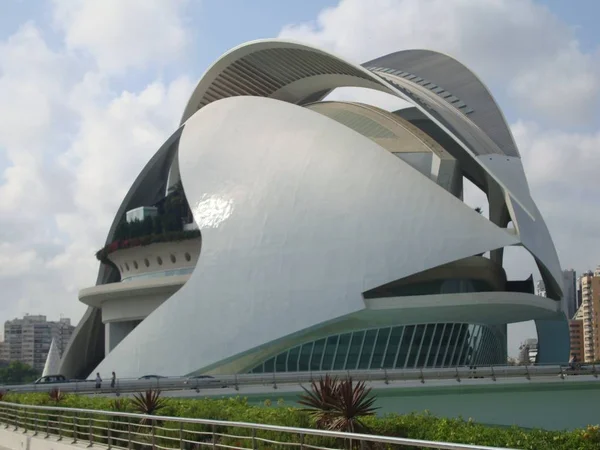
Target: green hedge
[417, 426]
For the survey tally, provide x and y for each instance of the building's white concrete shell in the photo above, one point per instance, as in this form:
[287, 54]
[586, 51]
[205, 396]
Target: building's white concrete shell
[300, 215]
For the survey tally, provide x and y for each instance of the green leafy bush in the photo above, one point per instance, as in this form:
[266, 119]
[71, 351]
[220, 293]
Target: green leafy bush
[417, 426]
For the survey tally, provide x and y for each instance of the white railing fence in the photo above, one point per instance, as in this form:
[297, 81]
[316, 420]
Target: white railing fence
[113, 429]
[273, 380]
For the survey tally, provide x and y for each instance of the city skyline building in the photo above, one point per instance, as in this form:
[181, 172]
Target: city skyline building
[570, 297]
[28, 339]
[292, 232]
[577, 339]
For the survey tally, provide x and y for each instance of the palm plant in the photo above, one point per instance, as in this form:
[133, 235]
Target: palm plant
[319, 400]
[56, 395]
[339, 404]
[149, 403]
[352, 403]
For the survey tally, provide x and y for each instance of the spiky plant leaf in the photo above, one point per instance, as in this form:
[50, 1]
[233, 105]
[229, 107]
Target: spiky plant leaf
[319, 399]
[352, 402]
[149, 402]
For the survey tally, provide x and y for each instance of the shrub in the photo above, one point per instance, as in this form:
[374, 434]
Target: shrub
[415, 426]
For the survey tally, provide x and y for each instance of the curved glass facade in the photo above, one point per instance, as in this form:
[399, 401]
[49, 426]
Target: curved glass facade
[400, 347]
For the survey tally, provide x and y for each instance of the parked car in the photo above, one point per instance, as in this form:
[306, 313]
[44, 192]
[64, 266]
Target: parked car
[204, 379]
[48, 379]
[151, 377]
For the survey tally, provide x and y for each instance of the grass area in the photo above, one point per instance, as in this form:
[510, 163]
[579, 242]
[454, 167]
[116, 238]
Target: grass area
[417, 426]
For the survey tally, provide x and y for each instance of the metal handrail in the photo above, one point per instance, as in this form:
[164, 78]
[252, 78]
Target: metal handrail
[387, 376]
[82, 425]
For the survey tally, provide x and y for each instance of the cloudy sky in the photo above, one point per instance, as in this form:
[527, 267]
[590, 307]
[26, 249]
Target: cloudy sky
[89, 90]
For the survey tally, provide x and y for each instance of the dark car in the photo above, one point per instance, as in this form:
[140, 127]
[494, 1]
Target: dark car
[49, 379]
[151, 377]
[204, 379]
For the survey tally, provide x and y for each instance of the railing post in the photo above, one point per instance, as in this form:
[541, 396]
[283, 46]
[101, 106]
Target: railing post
[74, 429]
[90, 432]
[301, 441]
[17, 420]
[493, 373]
[25, 420]
[35, 424]
[253, 438]
[180, 435]
[59, 427]
[153, 435]
[129, 443]
[47, 426]
[385, 376]
[214, 437]
[109, 434]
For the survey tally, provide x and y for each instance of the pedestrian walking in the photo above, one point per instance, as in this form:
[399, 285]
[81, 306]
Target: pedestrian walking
[98, 380]
[113, 380]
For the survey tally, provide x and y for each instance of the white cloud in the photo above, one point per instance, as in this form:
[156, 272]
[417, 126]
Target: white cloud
[120, 34]
[516, 43]
[72, 144]
[534, 62]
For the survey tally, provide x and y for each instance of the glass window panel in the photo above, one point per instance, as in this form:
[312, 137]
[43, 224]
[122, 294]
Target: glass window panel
[414, 346]
[317, 354]
[329, 353]
[438, 344]
[367, 349]
[304, 359]
[354, 351]
[270, 365]
[378, 352]
[390, 353]
[280, 362]
[342, 351]
[460, 344]
[425, 343]
[404, 347]
[292, 361]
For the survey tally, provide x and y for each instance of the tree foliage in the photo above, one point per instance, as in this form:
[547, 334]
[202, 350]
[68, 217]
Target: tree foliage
[18, 372]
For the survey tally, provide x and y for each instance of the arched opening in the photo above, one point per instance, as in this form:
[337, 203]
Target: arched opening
[383, 100]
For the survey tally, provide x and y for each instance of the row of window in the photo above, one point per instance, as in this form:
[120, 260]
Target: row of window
[125, 267]
[400, 347]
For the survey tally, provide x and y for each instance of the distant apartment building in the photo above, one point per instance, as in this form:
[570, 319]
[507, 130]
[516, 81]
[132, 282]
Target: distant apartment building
[589, 311]
[576, 335]
[540, 288]
[570, 292]
[595, 295]
[528, 352]
[28, 339]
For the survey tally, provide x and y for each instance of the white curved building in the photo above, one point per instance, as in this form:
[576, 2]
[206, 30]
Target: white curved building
[333, 234]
